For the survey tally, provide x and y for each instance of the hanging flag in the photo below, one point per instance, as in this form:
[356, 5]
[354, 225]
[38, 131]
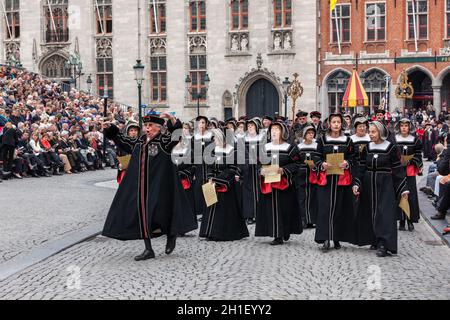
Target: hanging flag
[332, 4]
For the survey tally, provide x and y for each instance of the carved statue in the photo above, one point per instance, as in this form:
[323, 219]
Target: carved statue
[277, 42]
[287, 41]
[244, 43]
[234, 44]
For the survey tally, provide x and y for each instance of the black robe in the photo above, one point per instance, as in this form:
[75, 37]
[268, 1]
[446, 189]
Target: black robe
[411, 146]
[306, 191]
[380, 184]
[224, 221]
[278, 213]
[199, 144]
[335, 216]
[359, 163]
[250, 172]
[429, 140]
[150, 197]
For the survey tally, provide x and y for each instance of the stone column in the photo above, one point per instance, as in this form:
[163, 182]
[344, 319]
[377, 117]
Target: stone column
[437, 103]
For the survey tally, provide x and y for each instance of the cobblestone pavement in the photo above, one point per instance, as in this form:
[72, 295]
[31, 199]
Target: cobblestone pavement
[248, 269]
[35, 211]
[103, 268]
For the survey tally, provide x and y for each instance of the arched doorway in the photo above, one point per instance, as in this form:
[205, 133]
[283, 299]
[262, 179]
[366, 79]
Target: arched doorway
[374, 84]
[445, 92]
[336, 84]
[423, 92]
[262, 99]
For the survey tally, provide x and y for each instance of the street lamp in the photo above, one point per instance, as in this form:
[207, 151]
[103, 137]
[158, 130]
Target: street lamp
[74, 64]
[286, 84]
[139, 77]
[89, 83]
[197, 94]
[105, 114]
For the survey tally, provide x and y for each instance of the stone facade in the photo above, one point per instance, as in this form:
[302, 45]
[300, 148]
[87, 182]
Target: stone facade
[231, 55]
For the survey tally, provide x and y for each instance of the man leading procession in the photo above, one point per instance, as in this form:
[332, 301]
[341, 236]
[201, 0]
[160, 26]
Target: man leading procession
[344, 179]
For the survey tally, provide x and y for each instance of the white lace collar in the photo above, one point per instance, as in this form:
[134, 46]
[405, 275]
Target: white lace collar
[180, 151]
[342, 138]
[381, 146]
[400, 138]
[313, 145]
[256, 138]
[356, 138]
[206, 136]
[279, 147]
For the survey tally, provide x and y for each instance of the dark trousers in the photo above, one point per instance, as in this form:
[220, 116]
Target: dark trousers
[8, 157]
[444, 198]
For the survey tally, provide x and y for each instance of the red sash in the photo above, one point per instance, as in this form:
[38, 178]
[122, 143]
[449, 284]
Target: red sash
[221, 188]
[186, 183]
[412, 170]
[281, 185]
[120, 175]
[345, 179]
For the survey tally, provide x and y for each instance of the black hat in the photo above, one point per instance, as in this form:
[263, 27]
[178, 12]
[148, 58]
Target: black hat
[256, 122]
[315, 114]
[280, 118]
[404, 120]
[132, 124]
[214, 122]
[308, 128]
[153, 119]
[301, 114]
[231, 120]
[267, 117]
[380, 111]
[202, 117]
[245, 118]
[360, 119]
[284, 129]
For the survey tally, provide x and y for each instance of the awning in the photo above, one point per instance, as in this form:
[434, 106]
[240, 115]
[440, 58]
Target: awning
[355, 95]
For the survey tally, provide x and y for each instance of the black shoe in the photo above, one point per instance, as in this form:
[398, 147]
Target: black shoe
[326, 246]
[401, 226]
[147, 254]
[337, 245]
[310, 226]
[373, 247]
[170, 245]
[438, 216]
[286, 238]
[382, 252]
[410, 226]
[276, 242]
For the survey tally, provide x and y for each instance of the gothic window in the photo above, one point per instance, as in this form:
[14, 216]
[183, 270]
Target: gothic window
[54, 67]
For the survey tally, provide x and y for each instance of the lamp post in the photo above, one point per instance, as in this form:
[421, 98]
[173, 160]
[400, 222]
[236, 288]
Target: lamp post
[105, 114]
[387, 79]
[286, 84]
[139, 77]
[89, 84]
[75, 66]
[197, 94]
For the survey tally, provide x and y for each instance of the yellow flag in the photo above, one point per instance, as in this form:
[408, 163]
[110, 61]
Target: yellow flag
[332, 4]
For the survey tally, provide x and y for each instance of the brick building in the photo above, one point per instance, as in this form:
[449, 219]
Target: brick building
[379, 39]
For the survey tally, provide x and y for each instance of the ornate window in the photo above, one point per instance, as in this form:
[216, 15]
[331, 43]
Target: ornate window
[376, 21]
[158, 79]
[13, 19]
[374, 84]
[103, 12]
[239, 14]
[343, 21]
[56, 21]
[54, 67]
[197, 72]
[197, 15]
[447, 17]
[417, 19]
[158, 16]
[282, 13]
[105, 75]
[336, 85]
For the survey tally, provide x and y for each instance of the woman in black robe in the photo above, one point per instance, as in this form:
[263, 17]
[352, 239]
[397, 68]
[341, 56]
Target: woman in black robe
[409, 146]
[200, 141]
[306, 188]
[378, 187]
[132, 130]
[335, 216]
[360, 141]
[150, 197]
[278, 213]
[224, 221]
[250, 170]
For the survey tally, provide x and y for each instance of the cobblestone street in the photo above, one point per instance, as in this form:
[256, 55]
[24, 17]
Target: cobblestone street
[102, 268]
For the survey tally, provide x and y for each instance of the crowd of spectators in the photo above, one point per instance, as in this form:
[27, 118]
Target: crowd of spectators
[47, 131]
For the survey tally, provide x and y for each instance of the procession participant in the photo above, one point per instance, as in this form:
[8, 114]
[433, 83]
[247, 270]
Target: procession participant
[278, 212]
[317, 123]
[301, 122]
[240, 129]
[149, 196]
[202, 138]
[181, 157]
[429, 141]
[411, 147]
[266, 122]
[213, 123]
[250, 173]
[132, 131]
[378, 187]
[348, 124]
[223, 221]
[335, 215]
[380, 115]
[304, 182]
